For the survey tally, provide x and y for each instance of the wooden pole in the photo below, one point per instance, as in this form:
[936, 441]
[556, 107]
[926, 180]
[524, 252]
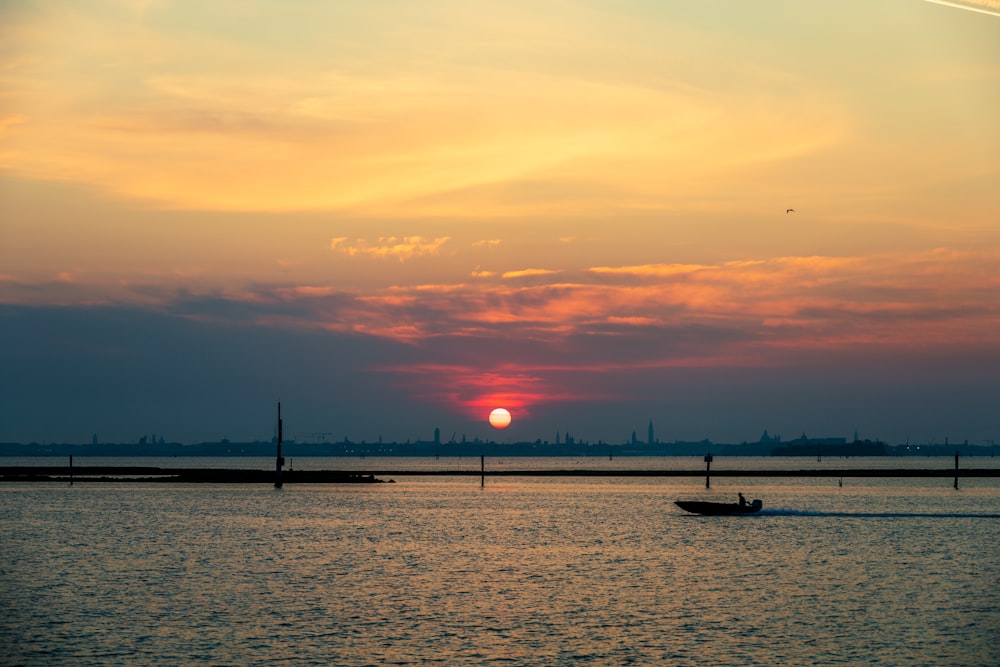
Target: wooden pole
[956, 470]
[482, 471]
[708, 470]
[279, 460]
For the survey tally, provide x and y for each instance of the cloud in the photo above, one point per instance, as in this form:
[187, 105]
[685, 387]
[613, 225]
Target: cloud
[381, 124]
[305, 291]
[940, 297]
[611, 335]
[475, 389]
[490, 243]
[527, 273]
[401, 248]
[722, 312]
[648, 270]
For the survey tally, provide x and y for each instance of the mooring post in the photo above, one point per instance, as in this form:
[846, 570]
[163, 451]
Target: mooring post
[482, 470]
[956, 470]
[71, 470]
[279, 460]
[708, 470]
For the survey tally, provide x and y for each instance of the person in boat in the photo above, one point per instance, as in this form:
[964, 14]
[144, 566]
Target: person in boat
[743, 501]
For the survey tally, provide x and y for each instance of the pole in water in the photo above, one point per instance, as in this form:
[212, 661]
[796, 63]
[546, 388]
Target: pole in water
[956, 470]
[279, 459]
[482, 471]
[71, 470]
[708, 470]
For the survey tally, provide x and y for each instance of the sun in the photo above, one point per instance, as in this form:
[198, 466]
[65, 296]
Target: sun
[500, 418]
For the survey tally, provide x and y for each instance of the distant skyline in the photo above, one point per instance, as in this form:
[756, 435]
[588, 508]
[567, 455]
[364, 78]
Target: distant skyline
[395, 216]
[649, 438]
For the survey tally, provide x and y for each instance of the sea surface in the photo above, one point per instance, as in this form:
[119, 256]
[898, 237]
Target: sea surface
[520, 571]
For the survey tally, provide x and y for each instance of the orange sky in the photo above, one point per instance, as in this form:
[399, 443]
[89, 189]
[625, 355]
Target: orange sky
[554, 205]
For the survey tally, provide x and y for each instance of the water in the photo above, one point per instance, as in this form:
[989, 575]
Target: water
[526, 571]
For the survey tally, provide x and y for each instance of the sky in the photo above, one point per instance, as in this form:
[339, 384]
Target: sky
[394, 216]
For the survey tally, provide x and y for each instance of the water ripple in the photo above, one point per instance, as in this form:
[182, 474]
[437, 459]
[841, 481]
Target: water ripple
[575, 572]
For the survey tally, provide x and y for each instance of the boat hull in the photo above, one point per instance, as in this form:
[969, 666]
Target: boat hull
[718, 509]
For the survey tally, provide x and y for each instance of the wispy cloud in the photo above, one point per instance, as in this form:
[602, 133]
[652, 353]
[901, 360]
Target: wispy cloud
[517, 128]
[648, 270]
[527, 273]
[401, 248]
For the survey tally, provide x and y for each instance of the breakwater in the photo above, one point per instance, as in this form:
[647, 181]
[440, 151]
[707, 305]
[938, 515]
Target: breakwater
[238, 476]
[178, 475]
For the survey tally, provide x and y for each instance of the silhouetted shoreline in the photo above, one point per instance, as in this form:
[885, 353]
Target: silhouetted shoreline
[423, 449]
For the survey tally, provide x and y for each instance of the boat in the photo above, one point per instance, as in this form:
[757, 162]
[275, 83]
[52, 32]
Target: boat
[718, 509]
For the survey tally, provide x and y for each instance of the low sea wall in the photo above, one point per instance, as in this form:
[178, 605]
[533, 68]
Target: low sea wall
[223, 475]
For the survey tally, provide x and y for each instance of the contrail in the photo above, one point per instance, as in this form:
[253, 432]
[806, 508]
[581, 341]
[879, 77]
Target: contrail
[991, 7]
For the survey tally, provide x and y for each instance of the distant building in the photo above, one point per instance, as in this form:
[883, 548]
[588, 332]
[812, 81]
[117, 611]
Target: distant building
[650, 440]
[767, 439]
[806, 440]
[805, 446]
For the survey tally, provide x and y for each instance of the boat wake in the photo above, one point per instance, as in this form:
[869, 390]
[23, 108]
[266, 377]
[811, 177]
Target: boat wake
[877, 515]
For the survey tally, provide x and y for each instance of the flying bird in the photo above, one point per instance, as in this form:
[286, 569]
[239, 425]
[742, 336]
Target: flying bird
[789, 210]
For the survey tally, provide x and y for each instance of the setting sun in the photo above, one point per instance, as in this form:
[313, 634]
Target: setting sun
[500, 418]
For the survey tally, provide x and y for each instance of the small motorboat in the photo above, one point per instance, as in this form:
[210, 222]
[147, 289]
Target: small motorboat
[718, 509]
